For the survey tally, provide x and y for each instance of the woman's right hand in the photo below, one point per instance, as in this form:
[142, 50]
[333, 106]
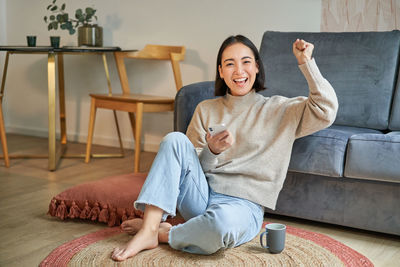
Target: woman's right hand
[302, 50]
[219, 142]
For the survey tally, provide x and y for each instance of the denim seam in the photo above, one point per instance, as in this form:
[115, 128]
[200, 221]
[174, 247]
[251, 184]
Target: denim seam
[204, 199]
[156, 205]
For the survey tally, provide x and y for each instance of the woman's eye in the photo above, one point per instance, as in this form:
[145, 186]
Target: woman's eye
[247, 62]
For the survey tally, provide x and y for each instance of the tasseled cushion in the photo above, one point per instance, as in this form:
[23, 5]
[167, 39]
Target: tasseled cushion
[109, 200]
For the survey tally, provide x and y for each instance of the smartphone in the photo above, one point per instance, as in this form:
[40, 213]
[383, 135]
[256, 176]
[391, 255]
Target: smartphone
[213, 130]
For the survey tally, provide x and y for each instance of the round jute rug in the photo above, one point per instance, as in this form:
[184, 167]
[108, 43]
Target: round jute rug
[302, 248]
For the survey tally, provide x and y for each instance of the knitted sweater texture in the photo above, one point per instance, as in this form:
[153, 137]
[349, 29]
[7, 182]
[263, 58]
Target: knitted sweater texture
[264, 129]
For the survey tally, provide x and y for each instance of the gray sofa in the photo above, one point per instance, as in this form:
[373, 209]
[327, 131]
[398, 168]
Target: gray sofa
[349, 173]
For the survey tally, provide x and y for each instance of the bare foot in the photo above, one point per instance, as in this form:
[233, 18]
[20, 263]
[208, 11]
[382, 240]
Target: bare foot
[144, 239]
[133, 226]
[163, 234]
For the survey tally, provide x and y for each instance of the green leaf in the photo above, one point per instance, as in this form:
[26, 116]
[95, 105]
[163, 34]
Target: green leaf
[63, 7]
[54, 1]
[63, 26]
[48, 7]
[54, 25]
[52, 17]
[80, 17]
[49, 27]
[78, 12]
[69, 25]
[90, 11]
[45, 19]
[59, 18]
[54, 8]
[65, 17]
[71, 31]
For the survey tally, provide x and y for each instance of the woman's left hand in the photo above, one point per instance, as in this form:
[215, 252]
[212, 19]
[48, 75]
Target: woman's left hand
[302, 50]
[219, 142]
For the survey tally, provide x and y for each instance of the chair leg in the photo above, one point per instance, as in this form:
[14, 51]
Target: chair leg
[121, 146]
[3, 138]
[138, 132]
[93, 109]
[133, 123]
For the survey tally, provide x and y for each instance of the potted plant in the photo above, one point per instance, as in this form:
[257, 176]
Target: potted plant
[89, 34]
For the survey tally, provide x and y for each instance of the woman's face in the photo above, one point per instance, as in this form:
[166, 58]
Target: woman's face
[238, 69]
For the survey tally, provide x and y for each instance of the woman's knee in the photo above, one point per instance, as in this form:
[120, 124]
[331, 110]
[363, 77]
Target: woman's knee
[174, 138]
[177, 142]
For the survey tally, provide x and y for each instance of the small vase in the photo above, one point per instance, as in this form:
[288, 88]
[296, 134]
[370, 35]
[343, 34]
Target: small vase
[31, 40]
[90, 35]
[55, 41]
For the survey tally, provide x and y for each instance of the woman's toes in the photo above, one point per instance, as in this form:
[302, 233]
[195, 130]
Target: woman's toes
[116, 253]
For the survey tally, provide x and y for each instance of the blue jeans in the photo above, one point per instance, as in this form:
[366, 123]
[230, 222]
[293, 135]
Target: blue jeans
[176, 181]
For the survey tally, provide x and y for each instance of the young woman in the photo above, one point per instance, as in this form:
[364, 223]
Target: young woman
[220, 183]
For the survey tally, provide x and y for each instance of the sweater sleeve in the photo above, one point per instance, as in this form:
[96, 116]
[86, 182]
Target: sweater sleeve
[321, 106]
[196, 133]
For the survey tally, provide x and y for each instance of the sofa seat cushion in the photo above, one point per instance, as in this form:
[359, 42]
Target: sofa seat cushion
[323, 152]
[374, 157]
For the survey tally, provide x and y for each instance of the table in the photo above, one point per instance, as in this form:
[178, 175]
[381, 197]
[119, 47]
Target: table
[56, 152]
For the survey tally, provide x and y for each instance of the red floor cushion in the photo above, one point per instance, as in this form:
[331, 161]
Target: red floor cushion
[109, 200]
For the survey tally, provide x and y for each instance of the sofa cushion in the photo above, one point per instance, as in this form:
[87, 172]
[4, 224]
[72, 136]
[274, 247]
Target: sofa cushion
[109, 200]
[394, 124]
[361, 66]
[323, 152]
[374, 157]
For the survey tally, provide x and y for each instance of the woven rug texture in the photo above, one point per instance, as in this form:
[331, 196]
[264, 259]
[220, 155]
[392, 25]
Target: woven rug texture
[302, 248]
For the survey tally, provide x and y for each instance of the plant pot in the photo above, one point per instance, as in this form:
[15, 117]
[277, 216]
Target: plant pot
[55, 41]
[90, 35]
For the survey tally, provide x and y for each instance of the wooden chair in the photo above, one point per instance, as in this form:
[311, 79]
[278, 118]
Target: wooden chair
[3, 135]
[136, 104]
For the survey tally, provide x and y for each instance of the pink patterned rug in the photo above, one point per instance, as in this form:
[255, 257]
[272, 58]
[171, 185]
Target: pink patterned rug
[302, 248]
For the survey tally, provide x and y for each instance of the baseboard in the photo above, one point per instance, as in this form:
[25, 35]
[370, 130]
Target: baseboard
[74, 137]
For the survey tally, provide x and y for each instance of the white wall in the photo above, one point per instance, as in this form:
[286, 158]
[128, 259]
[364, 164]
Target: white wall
[199, 25]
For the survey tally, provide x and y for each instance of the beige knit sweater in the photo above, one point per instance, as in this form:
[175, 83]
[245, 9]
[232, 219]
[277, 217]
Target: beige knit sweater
[264, 129]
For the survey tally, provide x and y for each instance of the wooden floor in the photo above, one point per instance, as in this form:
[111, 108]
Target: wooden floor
[28, 235]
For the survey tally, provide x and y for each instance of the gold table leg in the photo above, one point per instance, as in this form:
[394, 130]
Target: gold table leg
[61, 93]
[52, 110]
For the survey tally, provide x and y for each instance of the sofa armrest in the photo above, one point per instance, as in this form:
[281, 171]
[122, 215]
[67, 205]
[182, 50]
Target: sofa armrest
[186, 101]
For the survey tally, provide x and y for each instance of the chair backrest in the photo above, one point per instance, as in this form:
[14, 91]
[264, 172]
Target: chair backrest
[155, 52]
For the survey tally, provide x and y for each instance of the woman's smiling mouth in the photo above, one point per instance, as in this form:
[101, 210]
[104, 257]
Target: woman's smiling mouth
[240, 81]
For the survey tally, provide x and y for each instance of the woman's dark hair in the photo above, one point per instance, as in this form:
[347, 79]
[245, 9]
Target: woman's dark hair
[220, 86]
